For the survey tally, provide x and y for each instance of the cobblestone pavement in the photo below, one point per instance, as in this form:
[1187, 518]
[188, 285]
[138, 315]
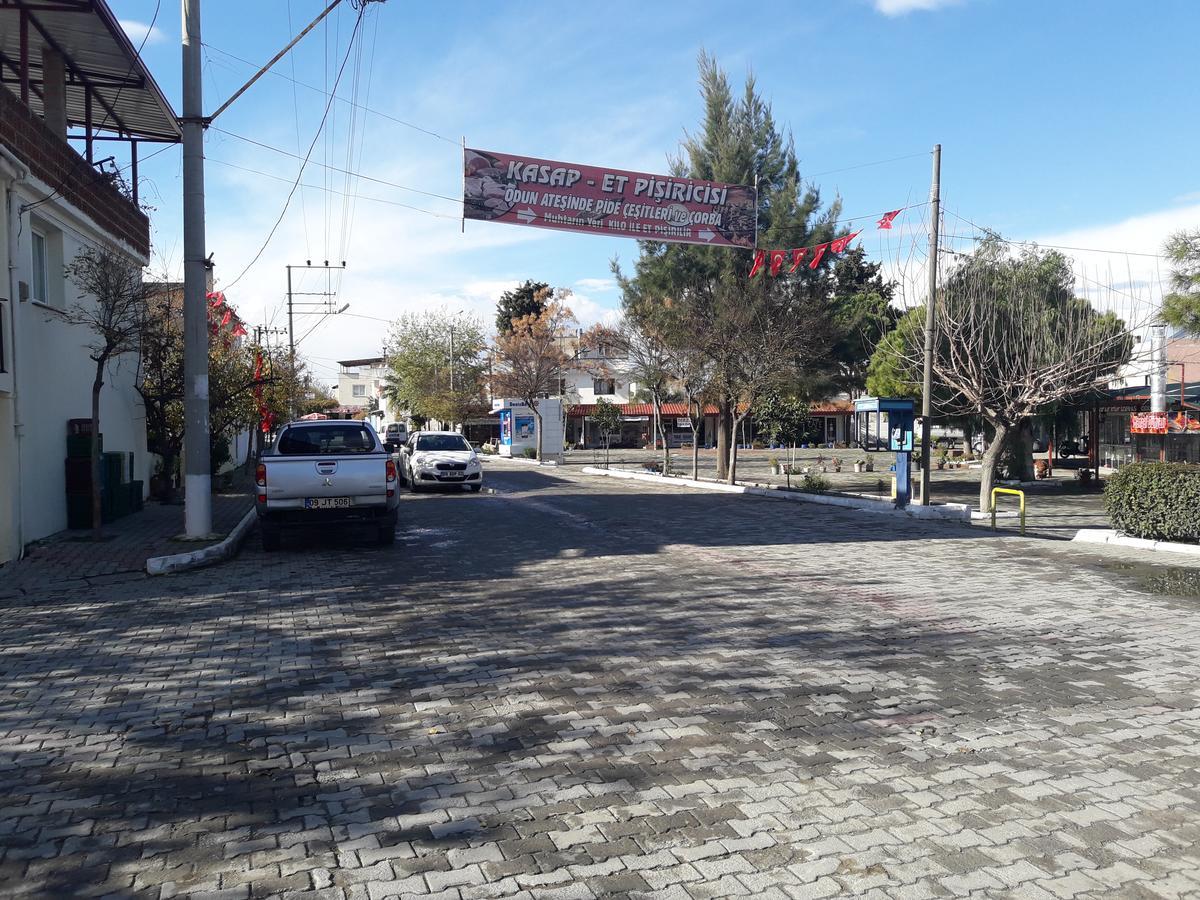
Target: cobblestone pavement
[581, 688]
[72, 559]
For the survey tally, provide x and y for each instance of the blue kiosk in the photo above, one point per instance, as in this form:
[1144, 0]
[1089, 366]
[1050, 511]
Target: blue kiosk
[886, 423]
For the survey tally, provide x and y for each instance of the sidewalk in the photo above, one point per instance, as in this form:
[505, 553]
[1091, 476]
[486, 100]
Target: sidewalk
[71, 559]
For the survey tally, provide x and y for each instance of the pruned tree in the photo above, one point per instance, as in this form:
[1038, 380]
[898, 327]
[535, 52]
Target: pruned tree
[527, 300]
[607, 417]
[1011, 338]
[643, 358]
[112, 305]
[530, 359]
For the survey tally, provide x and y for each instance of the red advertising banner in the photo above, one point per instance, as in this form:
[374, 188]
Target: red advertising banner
[1148, 423]
[523, 190]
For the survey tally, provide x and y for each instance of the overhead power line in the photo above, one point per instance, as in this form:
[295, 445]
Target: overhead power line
[304, 161]
[362, 106]
[358, 175]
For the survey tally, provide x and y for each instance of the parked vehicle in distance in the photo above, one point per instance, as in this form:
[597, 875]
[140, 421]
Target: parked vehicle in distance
[1072, 447]
[440, 457]
[396, 433]
[319, 472]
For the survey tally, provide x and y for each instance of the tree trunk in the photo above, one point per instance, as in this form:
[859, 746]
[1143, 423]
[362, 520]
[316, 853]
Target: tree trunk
[1024, 451]
[731, 476]
[697, 424]
[97, 511]
[168, 469]
[662, 432]
[724, 427]
[987, 475]
[537, 437]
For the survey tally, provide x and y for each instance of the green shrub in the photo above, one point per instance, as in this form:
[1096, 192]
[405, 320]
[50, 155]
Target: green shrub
[814, 484]
[529, 453]
[1159, 501]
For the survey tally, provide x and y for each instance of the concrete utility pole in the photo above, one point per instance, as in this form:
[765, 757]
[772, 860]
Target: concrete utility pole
[1158, 368]
[197, 481]
[927, 379]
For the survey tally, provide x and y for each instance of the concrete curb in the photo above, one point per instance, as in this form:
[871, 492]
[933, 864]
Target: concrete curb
[948, 512]
[523, 460]
[204, 556]
[1116, 539]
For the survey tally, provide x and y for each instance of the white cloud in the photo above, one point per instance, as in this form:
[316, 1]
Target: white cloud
[596, 285]
[141, 31]
[903, 7]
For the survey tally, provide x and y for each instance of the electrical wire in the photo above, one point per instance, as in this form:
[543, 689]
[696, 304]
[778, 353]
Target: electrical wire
[318, 90]
[359, 175]
[878, 162]
[304, 162]
[989, 232]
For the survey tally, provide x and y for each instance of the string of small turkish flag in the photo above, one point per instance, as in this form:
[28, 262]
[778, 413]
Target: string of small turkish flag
[774, 260]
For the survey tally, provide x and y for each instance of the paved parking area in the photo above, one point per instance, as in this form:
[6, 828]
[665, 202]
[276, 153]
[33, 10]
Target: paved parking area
[581, 688]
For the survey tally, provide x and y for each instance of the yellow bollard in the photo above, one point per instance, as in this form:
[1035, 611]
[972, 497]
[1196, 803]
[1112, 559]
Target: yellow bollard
[1020, 494]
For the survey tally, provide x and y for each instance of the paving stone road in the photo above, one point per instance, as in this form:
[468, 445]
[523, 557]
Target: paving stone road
[582, 688]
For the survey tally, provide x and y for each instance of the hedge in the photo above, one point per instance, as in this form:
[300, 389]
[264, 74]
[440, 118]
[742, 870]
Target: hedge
[1160, 501]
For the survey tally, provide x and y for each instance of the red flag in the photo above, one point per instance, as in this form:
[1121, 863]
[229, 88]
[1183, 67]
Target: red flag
[818, 252]
[216, 298]
[258, 364]
[225, 318]
[777, 257]
[841, 243]
[886, 222]
[238, 329]
[759, 257]
[797, 259]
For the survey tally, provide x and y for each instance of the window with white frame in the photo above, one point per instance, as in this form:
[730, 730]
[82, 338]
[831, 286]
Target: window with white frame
[360, 390]
[603, 386]
[38, 282]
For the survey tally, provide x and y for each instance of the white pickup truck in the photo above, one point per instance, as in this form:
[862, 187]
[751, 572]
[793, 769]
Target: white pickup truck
[322, 472]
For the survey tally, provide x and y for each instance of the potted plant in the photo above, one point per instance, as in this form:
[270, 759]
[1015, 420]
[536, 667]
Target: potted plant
[837, 464]
[941, 460]
[860, 464]
[870, 465]
[773, 464]
[1085, 477]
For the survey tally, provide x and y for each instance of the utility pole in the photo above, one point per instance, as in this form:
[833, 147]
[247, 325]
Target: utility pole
[197, 511]
[927, 379]
[327, 304]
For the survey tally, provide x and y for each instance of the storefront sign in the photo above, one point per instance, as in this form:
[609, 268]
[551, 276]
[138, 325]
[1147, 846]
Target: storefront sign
[683, 423]
[524, 190]
[1148, 423]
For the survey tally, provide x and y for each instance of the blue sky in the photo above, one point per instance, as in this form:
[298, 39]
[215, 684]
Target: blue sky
[1065, 122]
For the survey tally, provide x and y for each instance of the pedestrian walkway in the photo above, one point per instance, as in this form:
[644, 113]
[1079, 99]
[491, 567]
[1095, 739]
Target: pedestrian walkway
[72, 559]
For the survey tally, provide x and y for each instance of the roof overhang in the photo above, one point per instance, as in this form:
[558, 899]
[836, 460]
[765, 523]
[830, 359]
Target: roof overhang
[103, 69]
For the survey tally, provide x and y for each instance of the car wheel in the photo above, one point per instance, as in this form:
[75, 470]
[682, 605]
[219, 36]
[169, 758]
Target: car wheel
[271, 537]
[474, 488]
[386, 536]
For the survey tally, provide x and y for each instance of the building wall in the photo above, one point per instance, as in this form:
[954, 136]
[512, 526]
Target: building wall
[580, 387]
[51, 374]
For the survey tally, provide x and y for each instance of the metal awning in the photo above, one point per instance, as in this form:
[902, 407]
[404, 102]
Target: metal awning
[108, 86]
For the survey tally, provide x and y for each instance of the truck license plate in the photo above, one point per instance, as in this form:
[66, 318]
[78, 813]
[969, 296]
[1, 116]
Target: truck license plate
[326, 502]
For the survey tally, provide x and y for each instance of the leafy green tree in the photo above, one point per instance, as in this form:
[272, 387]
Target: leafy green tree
[783, 419]
[1181, 307]
[862, 314]
[529, 299]
[436, 365]
[607, 417]
[757, 333]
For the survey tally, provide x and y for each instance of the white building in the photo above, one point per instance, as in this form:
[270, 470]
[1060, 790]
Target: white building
[54, 203]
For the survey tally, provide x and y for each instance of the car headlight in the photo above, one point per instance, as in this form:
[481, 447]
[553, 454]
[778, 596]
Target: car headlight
[418, 460]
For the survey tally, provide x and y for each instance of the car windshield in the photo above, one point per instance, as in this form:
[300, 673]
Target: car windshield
[436, 442]
[320, 440]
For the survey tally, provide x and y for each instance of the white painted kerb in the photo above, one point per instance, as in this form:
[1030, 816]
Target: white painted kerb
[194, 559]
[1116, 539]
[954, 512]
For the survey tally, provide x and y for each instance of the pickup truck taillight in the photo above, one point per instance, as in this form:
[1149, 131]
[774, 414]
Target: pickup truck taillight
[260, 478]
[391, 477]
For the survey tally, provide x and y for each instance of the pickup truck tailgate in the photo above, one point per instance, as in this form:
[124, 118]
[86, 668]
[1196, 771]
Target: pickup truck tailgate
[294, 478]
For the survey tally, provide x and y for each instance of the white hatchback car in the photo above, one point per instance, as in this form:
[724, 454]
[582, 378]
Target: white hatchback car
[440, 457]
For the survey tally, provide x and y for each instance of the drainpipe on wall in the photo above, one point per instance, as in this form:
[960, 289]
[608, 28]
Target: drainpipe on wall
[12, 219]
